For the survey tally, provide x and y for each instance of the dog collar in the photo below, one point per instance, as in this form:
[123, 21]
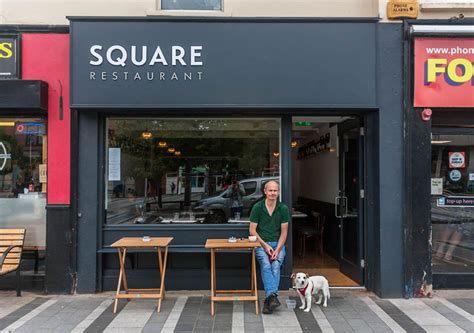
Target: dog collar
[303, 290]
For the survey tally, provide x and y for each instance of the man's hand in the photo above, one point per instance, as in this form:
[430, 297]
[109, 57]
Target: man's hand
[269, 250]
[275, 254]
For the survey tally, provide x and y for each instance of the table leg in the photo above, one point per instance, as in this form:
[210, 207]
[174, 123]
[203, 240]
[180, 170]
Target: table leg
[124, 275]
[213, 291]
[163, 270]
[254, 284]
[160, 262]
[119, 283]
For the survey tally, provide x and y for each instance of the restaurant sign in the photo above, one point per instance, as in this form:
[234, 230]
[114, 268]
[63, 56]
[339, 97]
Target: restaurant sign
[315, 147]
[444, 72]
[9, 57]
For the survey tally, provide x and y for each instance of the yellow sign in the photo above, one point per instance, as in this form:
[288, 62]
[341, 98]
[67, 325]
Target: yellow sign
[43, 173]
[402, 9]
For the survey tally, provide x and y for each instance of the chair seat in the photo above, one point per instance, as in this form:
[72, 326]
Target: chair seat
[7, 270]
[308, 230]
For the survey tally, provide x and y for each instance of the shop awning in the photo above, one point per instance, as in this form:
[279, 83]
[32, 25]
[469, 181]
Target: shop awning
[25, 95]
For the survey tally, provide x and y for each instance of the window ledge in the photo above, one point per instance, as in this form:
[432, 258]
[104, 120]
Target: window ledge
[175, 12]
[441, 5]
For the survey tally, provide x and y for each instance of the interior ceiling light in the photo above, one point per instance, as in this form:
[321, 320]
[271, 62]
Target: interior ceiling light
[147, 135]
[7, 123]
[177, 153]
[294, 144]
[162, 144]
[171, 150]
[276, 153]
[435, 142]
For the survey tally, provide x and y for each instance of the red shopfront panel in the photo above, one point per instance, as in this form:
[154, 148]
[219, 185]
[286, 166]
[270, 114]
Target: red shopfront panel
[46, 57]
[444, 72]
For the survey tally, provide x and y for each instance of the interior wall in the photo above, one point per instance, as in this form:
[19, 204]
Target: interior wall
[318, 176]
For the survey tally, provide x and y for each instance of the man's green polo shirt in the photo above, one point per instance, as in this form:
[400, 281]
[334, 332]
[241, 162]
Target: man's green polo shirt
[269, 227]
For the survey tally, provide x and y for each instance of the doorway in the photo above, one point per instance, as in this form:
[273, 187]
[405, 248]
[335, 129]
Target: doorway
[328, 155]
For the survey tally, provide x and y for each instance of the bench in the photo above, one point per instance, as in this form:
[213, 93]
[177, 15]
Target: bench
[11, 248]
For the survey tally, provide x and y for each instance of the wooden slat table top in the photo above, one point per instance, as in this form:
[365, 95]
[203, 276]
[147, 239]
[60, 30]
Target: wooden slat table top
[137, 242]
[12, 231]
[224, 244]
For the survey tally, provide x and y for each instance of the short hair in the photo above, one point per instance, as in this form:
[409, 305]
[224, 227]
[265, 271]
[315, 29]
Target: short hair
[271, 181]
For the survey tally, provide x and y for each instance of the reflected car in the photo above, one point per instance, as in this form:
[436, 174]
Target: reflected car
[218, 207]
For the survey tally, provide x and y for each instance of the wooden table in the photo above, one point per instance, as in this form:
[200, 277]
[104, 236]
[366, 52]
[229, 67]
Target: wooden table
[137, 243]
[232, 295]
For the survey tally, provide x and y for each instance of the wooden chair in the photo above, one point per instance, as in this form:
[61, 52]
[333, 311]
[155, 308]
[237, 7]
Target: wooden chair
[315, 230]
[11, 248]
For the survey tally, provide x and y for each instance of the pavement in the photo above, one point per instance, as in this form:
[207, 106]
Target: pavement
[189, 311]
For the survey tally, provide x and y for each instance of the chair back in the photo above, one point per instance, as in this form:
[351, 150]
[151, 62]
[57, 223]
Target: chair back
[319, 220]
[11, 244]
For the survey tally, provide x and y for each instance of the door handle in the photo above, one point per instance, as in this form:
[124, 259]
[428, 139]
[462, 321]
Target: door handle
[344, 202]
[337, 203]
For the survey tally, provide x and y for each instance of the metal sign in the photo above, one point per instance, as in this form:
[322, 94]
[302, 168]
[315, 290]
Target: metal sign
[3, 156]
[397, 9]
[9, 57]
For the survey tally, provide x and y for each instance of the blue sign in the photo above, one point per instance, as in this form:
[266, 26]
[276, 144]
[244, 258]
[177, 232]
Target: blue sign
[31, 128]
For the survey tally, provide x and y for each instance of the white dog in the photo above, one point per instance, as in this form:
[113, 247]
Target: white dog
[307, 286]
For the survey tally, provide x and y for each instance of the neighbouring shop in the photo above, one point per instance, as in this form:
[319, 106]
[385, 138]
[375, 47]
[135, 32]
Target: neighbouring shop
[174, 118]
[34, 151]
[443, 104]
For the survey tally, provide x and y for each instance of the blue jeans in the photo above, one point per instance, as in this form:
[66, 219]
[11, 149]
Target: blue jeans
[270, 271]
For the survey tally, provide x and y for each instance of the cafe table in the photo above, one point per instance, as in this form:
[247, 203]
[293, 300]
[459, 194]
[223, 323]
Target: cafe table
[134, 243]
[232, 295]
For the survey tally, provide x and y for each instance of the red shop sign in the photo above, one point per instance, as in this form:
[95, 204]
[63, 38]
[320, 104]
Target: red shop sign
[444, 72]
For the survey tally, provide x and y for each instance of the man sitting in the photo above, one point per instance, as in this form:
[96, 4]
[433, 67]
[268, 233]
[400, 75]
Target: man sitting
[269, 222]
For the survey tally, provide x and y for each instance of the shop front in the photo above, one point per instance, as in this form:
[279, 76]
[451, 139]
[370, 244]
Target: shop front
[180, 123]
[34, 151]
[444, 100]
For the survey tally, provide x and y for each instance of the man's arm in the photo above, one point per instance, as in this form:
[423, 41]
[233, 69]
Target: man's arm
[253, 232]
[281, 241]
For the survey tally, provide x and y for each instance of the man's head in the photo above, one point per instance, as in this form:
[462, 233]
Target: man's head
[272, 190]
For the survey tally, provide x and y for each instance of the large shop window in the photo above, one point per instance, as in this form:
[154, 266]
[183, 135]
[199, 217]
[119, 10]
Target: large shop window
[182, 171]
[452, 213]
[23, 178]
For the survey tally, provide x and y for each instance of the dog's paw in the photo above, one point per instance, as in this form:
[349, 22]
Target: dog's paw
[318, 302]
[307, 310]
[302, 307]
[325, 305]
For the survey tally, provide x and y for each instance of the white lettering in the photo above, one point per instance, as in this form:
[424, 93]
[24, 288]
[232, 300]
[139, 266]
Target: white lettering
[199, 75]
[177, 53]
[92, 76]
[174, 77]
[162, 76]
[158, 57]
[104, 76]
[125, 75]
[97, 55]
[120, 60]
[114, 76]
[137, 77]
[196, 52]
[150, 77]
[187, 76]
[134, 56]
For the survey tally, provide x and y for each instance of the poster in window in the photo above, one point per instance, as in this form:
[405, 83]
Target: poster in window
[114, 164]
[457, 160]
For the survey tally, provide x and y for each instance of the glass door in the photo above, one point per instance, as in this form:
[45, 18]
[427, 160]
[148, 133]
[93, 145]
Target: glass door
[349, 202]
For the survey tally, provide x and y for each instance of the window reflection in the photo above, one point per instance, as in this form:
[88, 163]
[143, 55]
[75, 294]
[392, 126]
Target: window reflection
[23, 183]
[452, 212]
[188, 171]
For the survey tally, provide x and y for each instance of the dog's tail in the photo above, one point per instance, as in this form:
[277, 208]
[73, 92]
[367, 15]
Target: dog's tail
[329, 294]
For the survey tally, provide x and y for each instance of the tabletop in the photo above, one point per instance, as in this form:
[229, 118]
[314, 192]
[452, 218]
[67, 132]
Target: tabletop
[224, 243]
[138, 242]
